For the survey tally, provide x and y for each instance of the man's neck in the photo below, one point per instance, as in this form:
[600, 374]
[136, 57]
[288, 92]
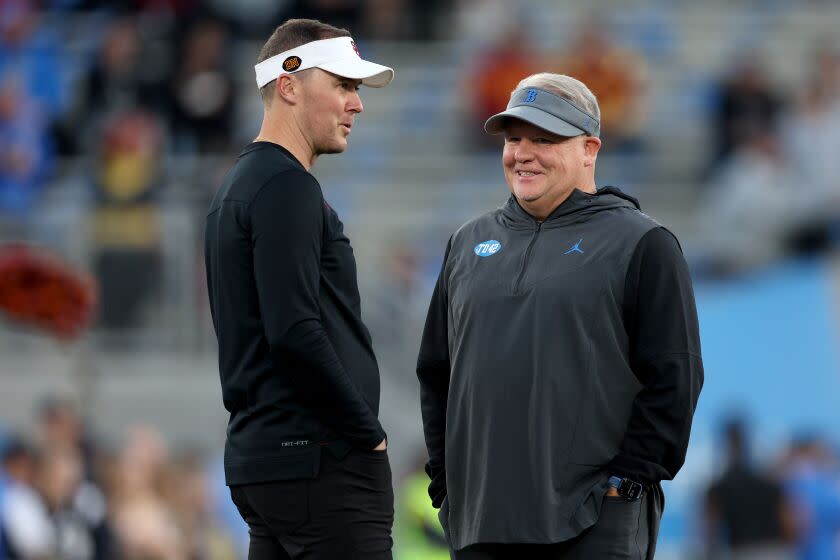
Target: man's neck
[287, 134]
[540, 211]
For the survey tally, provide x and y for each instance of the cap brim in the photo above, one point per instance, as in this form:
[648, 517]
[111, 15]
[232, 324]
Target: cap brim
[371, 74]
[534, 116]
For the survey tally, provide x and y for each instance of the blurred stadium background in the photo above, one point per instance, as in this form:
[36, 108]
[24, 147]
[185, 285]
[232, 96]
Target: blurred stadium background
[118, 119]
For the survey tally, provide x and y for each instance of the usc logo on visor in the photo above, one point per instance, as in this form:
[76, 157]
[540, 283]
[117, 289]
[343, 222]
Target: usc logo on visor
[292, 63]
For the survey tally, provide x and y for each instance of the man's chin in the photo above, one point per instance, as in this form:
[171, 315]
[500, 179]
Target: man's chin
[528, 196]
[333, 148]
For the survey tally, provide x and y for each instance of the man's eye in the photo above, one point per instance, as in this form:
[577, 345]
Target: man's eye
[542, 141]
[512, 139]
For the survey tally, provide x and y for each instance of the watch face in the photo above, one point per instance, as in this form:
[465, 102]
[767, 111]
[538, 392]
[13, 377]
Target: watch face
[630, 489]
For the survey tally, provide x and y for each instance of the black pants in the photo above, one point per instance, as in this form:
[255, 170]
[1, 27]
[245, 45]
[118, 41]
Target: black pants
[625, 530]
[344, 514]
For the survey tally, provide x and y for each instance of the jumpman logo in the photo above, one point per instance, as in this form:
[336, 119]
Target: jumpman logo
[575, 248]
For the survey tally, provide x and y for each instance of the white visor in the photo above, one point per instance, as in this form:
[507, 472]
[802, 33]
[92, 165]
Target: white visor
[339, 56]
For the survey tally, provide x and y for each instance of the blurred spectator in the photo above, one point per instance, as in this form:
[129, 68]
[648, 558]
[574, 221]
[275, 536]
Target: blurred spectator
[76, 507]
[812, 480]
[748, 106]
[494, 73]
[126, 222]
[145, 524]
[25, 148]
[186, 489]
[811, 140]
[25, 526]
[116, 78]
[746, 513]
[60, 426]
[748, 209]
[203, 92]
[129, 72]
[617, 75]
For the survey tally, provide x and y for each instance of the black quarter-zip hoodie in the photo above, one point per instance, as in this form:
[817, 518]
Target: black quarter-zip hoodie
[555, 354]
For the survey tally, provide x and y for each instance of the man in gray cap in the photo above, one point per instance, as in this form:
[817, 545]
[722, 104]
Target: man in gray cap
[305, 454]
[560, 363]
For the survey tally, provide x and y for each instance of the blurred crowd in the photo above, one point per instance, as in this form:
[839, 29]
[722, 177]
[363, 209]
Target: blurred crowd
[131, 100]
[66, 495]
[775, 174]
[768, 167]
[614, 70]
[99, 98]
[81, 77]
[120, 89]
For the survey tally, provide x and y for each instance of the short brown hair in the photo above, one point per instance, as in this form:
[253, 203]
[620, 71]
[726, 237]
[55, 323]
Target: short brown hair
[294, 33]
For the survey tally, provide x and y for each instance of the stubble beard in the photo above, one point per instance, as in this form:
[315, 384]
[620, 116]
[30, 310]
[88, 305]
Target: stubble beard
[335, 147]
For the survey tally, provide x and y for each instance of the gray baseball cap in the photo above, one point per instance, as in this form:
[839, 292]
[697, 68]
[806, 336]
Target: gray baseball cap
[546, 110]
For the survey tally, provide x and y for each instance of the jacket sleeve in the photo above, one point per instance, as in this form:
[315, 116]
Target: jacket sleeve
[287, 221]
[661, 321]
[433, 373]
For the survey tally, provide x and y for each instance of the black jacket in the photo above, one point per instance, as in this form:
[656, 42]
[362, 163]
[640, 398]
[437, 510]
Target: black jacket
[554, 355]
[296, 362]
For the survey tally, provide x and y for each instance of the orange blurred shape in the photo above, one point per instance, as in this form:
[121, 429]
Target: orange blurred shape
[39, 290]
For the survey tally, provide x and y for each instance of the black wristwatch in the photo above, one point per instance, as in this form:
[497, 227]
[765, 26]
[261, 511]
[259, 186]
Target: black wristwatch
[628, 489]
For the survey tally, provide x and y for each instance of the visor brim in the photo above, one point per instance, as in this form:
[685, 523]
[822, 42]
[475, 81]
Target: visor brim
[534, 116]
[370, 73]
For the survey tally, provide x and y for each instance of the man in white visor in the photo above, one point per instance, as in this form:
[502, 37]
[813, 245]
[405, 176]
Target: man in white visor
[305, 456]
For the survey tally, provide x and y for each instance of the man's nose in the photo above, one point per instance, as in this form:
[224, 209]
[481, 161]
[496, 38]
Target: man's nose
[355, 103]
[524, 151]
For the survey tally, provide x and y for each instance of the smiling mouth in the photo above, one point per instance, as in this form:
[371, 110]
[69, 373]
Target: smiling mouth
[527, 173]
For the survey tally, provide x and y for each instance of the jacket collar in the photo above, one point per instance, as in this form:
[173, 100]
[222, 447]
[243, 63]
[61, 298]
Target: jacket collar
[579, 206]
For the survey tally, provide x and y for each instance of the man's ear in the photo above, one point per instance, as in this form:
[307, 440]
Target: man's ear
[287, 87]
[591, 145]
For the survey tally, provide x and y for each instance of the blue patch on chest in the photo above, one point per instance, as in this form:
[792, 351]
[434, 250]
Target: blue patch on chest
[487, 248]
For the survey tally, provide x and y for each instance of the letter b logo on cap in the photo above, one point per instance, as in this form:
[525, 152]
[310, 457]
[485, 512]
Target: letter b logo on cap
[532, 96]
